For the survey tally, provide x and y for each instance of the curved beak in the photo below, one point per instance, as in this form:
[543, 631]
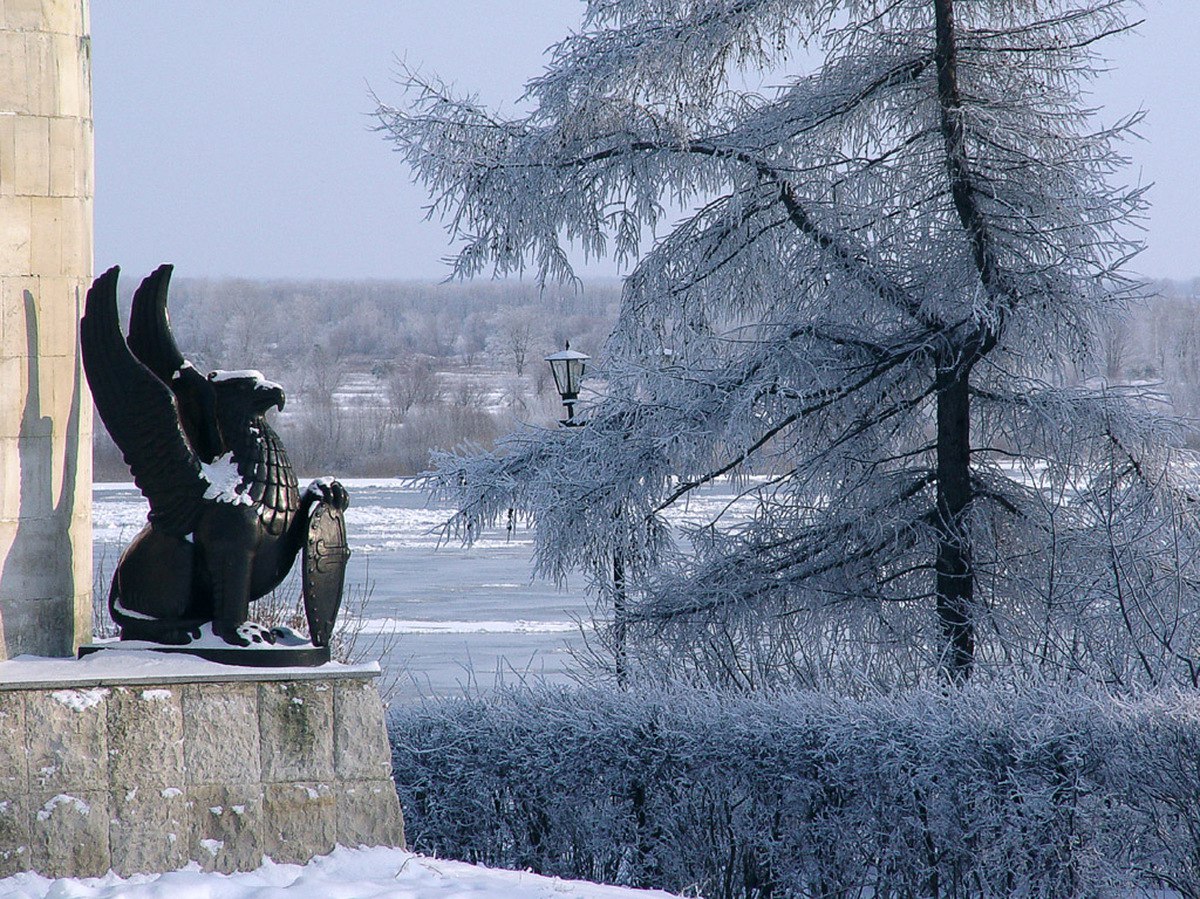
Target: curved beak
[272, 396]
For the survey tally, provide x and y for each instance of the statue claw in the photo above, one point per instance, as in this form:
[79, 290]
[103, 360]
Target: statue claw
[286, 636]
[246, 634]
[329, 491]
[341, 499]
[257, 633]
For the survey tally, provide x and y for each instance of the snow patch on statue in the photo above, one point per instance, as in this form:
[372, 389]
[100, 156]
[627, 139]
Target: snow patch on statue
[251, 374]
[225, 483]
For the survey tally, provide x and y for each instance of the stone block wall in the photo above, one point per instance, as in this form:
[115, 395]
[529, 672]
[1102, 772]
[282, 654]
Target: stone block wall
[45, 269]
[145, 777]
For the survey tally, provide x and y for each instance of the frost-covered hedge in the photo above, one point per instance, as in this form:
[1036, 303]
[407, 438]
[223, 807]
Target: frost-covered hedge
[1031, 792]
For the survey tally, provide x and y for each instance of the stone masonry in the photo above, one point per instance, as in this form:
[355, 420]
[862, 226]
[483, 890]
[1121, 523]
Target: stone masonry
[45, 269]
[147, 776]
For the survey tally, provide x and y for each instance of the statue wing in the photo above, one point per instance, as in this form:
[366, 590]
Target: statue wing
[140, 413]
[152, 342]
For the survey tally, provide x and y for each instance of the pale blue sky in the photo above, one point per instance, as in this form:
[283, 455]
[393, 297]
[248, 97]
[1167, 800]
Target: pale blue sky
[233, 136]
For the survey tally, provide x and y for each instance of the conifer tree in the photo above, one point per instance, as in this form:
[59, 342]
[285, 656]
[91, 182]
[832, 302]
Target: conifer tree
[885, 261]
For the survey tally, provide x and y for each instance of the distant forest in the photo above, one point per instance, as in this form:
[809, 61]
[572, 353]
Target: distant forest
[379, 374]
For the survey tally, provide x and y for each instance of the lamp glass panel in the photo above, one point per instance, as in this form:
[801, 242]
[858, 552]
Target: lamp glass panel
[560, 368]
[574, 375]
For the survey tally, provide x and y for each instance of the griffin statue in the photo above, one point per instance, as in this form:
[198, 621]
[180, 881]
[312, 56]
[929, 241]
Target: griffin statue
[227, 519]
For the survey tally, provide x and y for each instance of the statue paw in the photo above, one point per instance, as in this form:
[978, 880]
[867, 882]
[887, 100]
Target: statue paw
[255, 633]
[329, 491]
[247, 633]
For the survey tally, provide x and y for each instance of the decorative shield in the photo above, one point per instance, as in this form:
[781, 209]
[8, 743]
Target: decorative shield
[325, 556]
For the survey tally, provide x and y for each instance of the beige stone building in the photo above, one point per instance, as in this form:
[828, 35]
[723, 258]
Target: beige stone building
[45, 269]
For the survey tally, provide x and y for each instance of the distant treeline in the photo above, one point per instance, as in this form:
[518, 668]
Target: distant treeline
[379, 373]
[1159, 342]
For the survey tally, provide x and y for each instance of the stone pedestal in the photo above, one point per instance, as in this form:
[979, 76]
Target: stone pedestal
[147, 773]
[45, 269]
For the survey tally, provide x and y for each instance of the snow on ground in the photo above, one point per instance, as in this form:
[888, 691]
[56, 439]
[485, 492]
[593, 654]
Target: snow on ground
[343, 874]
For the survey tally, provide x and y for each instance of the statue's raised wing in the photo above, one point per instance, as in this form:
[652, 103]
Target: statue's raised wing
[152, 342]
[140, 413]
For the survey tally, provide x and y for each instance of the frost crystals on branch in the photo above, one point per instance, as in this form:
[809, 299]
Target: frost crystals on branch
[890, 259]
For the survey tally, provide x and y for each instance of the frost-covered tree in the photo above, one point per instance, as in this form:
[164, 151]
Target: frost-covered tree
[903, 217]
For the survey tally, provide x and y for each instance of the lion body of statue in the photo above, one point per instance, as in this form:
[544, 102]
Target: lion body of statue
[227, 518]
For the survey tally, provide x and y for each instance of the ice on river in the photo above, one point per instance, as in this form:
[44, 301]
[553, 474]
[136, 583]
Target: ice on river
[446, 615]
[442, 615]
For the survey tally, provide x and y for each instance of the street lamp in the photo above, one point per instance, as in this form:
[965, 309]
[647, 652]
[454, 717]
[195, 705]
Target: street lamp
[567, 367]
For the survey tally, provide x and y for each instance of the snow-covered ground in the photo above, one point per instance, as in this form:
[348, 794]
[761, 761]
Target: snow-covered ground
[344, 874]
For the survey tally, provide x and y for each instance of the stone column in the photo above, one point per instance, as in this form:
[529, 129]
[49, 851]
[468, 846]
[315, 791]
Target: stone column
[45, 269]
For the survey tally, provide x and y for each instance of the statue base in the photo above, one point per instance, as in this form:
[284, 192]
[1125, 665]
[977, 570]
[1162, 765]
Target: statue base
[290, 650]
[144, 762]
[250, 657]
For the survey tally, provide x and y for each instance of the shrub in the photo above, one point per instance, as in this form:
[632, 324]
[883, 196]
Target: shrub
[1029, 792]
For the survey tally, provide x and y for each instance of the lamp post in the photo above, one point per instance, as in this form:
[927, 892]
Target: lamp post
[568, 366]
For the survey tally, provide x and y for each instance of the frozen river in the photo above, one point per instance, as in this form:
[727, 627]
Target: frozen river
[436, 615]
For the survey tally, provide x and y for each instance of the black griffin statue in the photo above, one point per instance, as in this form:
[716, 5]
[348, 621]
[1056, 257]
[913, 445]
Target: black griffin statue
[226, 516]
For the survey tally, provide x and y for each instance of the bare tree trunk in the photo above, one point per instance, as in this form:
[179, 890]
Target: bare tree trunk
[955, 573]
[620, 620]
